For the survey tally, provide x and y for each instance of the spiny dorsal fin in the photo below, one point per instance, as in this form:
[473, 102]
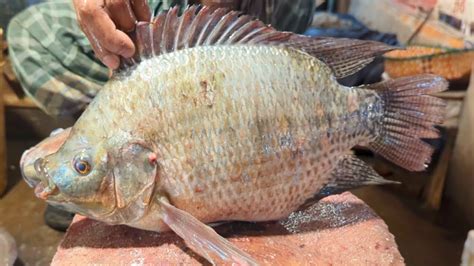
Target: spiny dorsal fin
[205, 26]
[350, 173]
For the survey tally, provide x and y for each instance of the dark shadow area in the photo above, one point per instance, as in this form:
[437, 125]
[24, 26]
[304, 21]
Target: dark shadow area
[15, 149]
[317, 217]
[32, 124]
[19, 262]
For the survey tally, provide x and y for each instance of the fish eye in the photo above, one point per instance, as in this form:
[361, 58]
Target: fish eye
[82, 165]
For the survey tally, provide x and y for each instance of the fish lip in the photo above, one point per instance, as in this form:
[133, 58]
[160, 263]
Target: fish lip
[33, 183]
[41, 183]
[41, 170]
[44, 192]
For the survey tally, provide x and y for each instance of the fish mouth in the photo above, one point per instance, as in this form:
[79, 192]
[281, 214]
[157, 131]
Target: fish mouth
[46, 147]
[44, 192]
[36, 176]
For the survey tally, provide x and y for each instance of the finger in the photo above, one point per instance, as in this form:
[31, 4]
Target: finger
[103, 29]
[122, 14]
[109, 59]
[141, 10]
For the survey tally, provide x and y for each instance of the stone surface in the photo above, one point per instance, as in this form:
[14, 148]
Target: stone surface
[8, 252]
[338, 230]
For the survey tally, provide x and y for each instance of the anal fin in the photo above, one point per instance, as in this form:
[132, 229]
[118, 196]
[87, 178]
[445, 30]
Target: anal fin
[350, 173]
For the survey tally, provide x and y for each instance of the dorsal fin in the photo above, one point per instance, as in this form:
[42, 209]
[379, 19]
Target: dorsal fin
[197, 26]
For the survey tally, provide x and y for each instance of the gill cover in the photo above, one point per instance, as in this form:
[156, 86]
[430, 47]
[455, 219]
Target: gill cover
[134, 176]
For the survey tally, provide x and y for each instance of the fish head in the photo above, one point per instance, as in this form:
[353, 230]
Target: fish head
[91, 177]
[74, 177]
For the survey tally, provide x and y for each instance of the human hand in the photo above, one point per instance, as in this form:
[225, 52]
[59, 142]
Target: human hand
[106, 22]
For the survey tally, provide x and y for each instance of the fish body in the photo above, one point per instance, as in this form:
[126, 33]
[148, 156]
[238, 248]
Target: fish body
[195, 130]
[243, 133]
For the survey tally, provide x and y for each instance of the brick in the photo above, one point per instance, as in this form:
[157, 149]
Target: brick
[337, 230]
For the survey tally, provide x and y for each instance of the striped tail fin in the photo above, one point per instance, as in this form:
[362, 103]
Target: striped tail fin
[410, 114]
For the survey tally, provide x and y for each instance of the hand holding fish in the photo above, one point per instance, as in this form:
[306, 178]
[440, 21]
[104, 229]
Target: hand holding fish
[106, 22]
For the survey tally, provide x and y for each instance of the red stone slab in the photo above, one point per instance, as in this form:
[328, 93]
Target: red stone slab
[338, 230]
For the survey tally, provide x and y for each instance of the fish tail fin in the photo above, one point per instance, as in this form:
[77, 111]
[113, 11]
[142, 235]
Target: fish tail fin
[410, 114]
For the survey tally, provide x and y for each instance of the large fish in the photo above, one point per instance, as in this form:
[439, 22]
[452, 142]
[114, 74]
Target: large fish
[219, 117]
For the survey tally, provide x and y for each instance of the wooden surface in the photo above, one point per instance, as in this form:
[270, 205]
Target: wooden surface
[460, 182]
[13, 95]
[8, 98]
[3, 155]
[433, 192]
[454, 101]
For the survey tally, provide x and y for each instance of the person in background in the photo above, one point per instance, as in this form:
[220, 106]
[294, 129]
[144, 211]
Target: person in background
[63, 51]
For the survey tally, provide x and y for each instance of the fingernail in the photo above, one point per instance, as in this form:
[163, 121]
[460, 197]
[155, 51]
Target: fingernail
[127, 53]
[111, 61]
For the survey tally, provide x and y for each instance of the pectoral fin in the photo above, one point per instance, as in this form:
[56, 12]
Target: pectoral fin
[202, 238]
[350, 173]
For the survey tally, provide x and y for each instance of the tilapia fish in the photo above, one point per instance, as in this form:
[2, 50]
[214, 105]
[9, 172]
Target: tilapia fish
[218, 118]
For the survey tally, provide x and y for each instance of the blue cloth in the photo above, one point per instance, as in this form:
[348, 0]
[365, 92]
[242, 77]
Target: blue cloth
[356, 31]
